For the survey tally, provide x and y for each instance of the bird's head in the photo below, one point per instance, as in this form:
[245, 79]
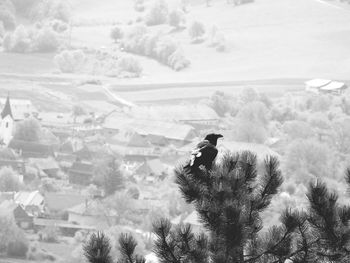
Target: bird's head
[213, 138]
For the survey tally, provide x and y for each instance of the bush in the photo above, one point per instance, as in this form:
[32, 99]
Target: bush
[70, 61]
[7, 18]
[49, 234]
[221, 45]
[17, 244]
[49, 185]
[302, 162]
[196, 30]
[178, 61]
[133, 192]
[176, 18]
[58, 25]
[9, 180]
[158, 13]
[46, 40]
[150, 45]
[54, 9]
[43, 39]
[163, 49]
[7, 42]
[130, 65]
[2, 29]
[36, 254]
[139, 5]
[116, 33]
[25, 7]
[19, 41]
[17, 248]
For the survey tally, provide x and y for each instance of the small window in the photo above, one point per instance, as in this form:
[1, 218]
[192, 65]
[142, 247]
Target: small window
[7, 124]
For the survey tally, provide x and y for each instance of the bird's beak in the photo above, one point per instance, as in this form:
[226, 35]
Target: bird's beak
[220, 137]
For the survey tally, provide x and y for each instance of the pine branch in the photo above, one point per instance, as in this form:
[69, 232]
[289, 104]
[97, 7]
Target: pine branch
[127, 245]
[270, 182]
[189, 188]
[162, 248]
[323, 214]
[192, 249]
[347, 176]
[98, 248]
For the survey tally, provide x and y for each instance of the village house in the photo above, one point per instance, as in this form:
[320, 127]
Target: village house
[16, 165]
[175, 133]
[23, 218]
[32, 202]
[66, 228]
[81, 173]
[27, 149]
[71, 145]
[92, 213]
[45, 166]
[98, 108]
[199, 116]
[152, 170]
[58, 203]
[132, 147]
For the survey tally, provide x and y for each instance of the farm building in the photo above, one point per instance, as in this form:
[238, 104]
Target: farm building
[335, 87]
[325, 86]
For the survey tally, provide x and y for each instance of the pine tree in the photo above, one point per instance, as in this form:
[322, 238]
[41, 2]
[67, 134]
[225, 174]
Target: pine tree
[229, 200]
[113, 177]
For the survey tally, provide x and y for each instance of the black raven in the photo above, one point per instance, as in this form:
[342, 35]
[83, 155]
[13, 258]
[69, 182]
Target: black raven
[204, 153]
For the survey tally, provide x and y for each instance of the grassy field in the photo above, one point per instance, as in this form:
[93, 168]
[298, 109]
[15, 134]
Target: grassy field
[27, 63]
[267, 39]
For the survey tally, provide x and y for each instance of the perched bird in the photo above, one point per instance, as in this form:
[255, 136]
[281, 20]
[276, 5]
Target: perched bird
[204, 153]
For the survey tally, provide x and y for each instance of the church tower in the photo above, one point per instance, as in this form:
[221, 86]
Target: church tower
[7, 122]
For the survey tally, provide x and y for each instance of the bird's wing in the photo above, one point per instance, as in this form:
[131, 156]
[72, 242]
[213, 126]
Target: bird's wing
[197, 152]
[200, 146]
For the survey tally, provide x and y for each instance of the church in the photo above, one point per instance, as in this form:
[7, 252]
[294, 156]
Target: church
[13, 111]
[6, 123]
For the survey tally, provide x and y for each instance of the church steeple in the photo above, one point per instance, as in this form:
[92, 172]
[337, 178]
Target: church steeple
[7, 109]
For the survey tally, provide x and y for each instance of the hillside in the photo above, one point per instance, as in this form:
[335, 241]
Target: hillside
[267, 39]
